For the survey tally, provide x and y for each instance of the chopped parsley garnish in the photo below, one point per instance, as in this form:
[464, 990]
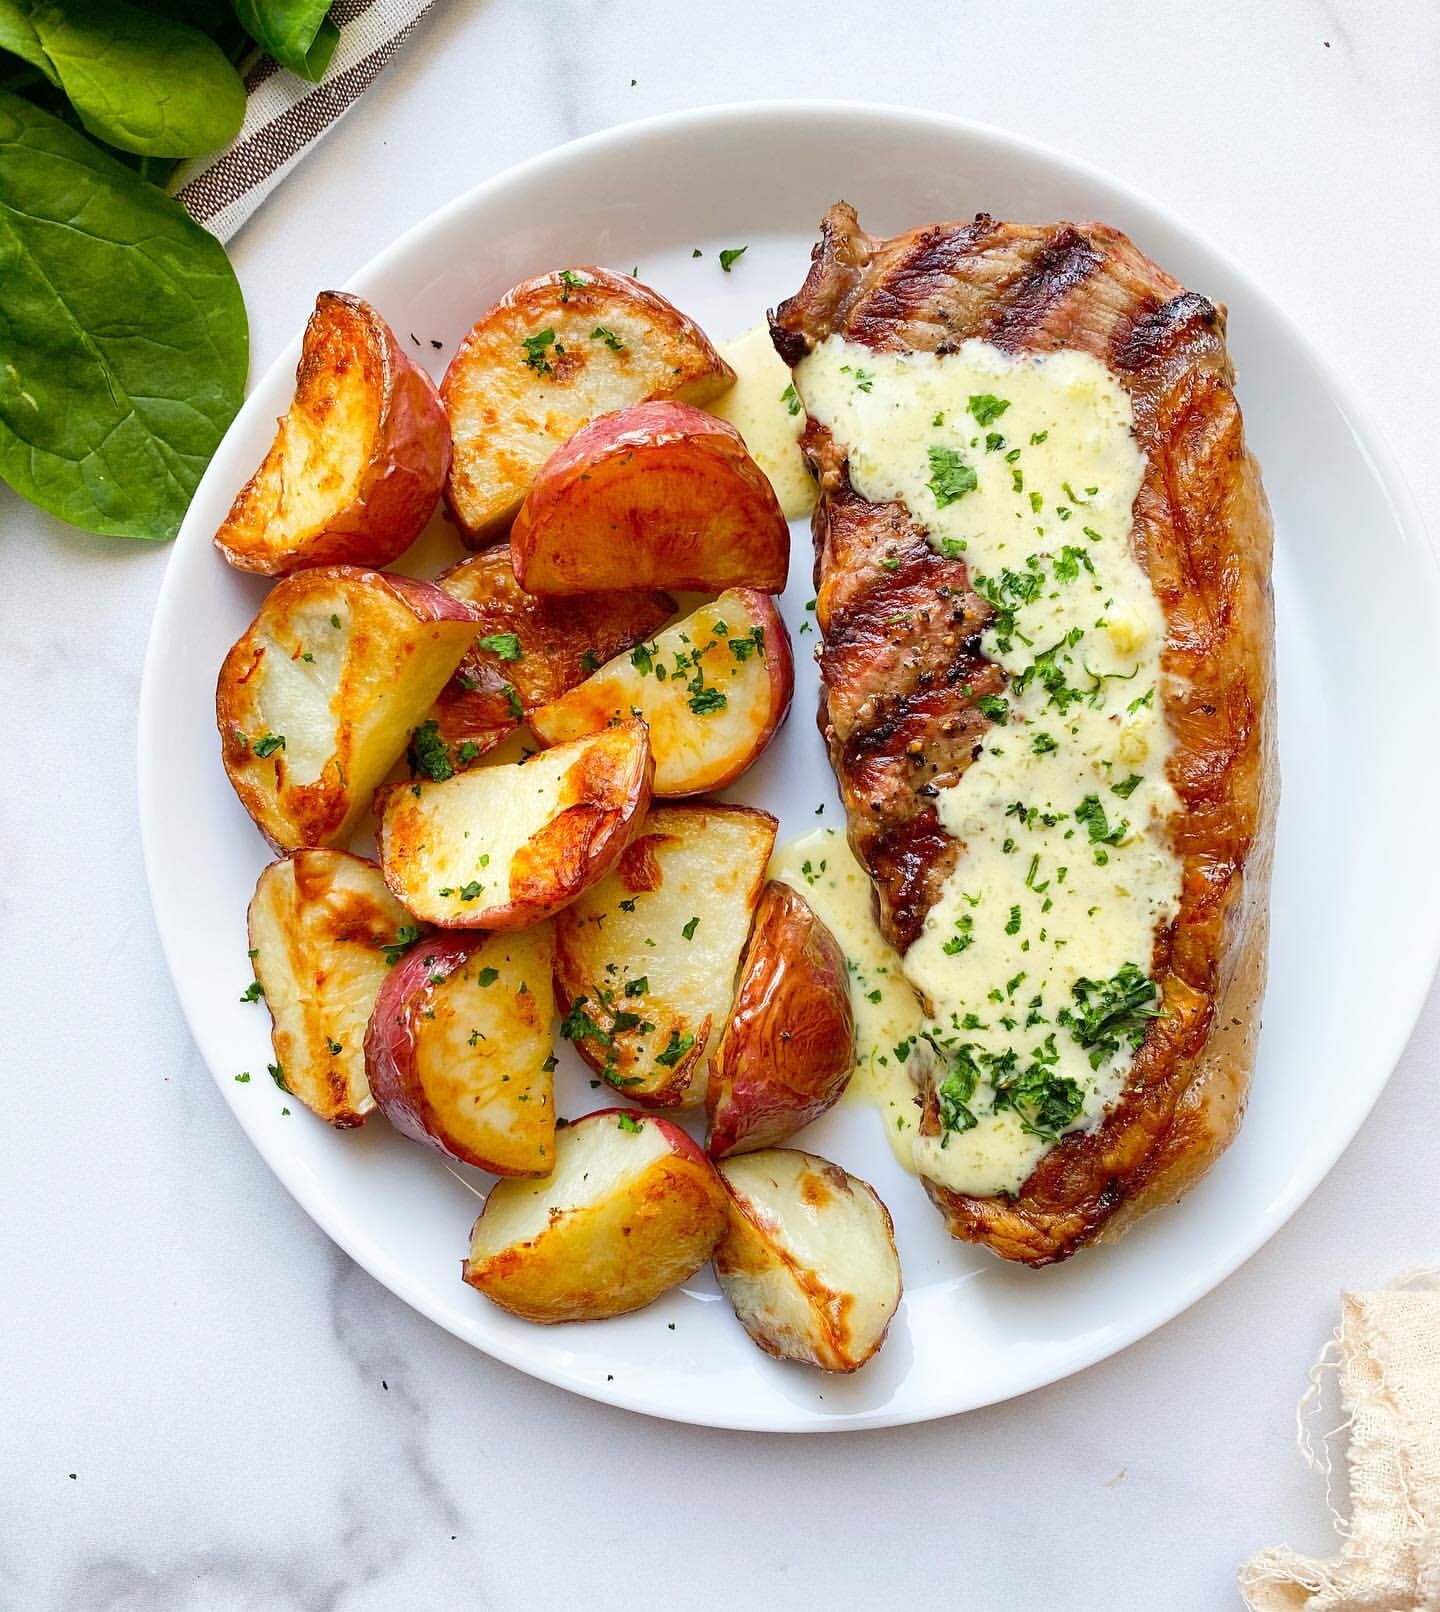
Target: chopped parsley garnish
[642, 659]
[996, 708]
[705, 701]
[628, 1122]
[571, 282]
[471, 891]
[512, 700]
[1012, 924]
[790, 400]
[589, 661]
[504, 644]
[611, 340]
[688, 930]
[731, 255]
[1092, 814]
[1128, 787]
[950, 476]
[962, 941]
[253, 992]
[675, 1049]
[1110, 1013]
[267, 744]
[334, 1046]
[405, 937]
[956, 1092]
[987, 408]
[429, 755]
[536, 351]
[637, 987]
[277, 1074]
[578, 1026]
[487, 976]
[1042, 743]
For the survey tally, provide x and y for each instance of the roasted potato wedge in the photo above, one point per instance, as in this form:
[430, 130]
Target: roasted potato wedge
[323, 928]
[316, 700]
[645, 961]
[713, 690]
[808, 1258]
[458, 1053]
[660, 495]
[633, 1207]
[502, 847]
[529, 650]
[552, 354]
[788, 1048]
[358, 459]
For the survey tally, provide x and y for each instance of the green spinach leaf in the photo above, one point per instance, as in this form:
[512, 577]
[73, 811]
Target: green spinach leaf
[141, 82]
[18, 36]
[298, 33]
[123, 341]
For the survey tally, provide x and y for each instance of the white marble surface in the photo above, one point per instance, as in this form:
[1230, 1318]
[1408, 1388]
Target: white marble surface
[203, 1405]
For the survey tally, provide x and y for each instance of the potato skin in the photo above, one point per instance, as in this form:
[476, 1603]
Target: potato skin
[560, 641]
[509, 413]
[402, 640]
[788, 1051]
[660, 495]
[617, 1252]
[403, 452]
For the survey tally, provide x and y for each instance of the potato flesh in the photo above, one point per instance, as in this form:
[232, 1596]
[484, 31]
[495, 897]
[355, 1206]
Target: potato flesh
[809, 1259]
[708, 864]
[345, 714]
[507, 416]
[481, 1057]
[439, 841]
[317, 923]
[625, 1215]
[694, 750]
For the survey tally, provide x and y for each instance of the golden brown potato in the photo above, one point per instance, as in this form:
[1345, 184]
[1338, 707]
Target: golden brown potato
[660, 495]
[551, 355]
[633, 1207]
[788, 1048]
[315, 702]
[713, 690]
[458, 1053]
[529, 650]
[323, 930]
[645, 961]
[502, 847]
[808, 1258]
[358, 460]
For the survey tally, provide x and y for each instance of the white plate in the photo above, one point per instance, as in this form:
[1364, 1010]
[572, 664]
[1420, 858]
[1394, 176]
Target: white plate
[1356, 913]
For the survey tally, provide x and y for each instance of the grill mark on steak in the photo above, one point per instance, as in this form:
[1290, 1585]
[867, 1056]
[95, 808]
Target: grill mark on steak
[901, 668]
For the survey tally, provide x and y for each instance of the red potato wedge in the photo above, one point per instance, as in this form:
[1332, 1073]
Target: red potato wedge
[808, 1258]
[633, 1208]
[529, 650]
[713, 690]
[645, 961]
[458, 1052]
[660, 495]
[358, 460]
[323, 926]
[317, 699]
[502, 847]
[549, 357]
[788, 1048]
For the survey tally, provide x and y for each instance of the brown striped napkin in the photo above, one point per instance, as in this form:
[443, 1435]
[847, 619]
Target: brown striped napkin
[285, 115]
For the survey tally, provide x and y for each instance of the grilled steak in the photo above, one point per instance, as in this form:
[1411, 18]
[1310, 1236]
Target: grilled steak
[903, 669]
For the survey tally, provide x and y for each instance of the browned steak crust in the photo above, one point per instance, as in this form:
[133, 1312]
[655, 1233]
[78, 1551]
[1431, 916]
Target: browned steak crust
[902, 667]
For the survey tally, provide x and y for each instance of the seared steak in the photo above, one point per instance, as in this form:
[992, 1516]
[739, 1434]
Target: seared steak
[903, 668]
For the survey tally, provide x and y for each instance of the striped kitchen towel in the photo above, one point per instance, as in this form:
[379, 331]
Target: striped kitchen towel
[286, 115]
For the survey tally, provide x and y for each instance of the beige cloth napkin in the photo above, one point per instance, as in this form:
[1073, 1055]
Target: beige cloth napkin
[1387, 1351]
[285, 115]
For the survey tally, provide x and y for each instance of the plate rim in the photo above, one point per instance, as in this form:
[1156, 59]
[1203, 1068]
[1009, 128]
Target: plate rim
[1407, 1001]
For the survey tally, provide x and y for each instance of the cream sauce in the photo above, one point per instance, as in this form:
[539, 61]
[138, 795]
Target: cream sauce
[1035, 959]
[888, 1016]
[763, 408]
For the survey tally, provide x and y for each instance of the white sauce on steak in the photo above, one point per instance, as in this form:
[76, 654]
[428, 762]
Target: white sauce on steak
[1035, 960]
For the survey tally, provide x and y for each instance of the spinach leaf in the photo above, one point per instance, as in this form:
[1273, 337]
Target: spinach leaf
[297, 33]
[18, 36]
[123, 342]
[140, 81]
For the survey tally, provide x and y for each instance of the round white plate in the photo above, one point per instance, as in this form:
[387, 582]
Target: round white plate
[1356, 915]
